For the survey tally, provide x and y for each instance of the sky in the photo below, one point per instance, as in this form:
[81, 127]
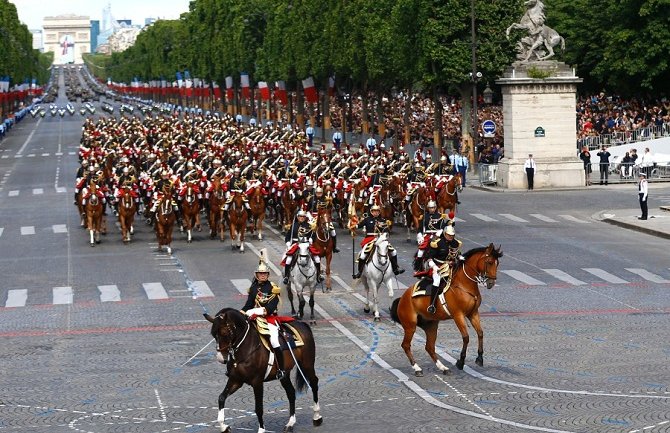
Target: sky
[32, 12]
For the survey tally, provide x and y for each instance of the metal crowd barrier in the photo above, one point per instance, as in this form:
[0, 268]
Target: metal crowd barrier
[624, 137]
[487, 174]
[627, 173]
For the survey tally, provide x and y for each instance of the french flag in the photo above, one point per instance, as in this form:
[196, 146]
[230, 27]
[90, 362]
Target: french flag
[217, 91]
[311, 94]
[244, 81]
[265, 90]
[229, 88]
[280, 92]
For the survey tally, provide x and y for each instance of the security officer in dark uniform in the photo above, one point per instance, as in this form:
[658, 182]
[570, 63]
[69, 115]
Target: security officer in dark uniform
[300, 229]
[442, 255]
[262, 303]
[375, 225]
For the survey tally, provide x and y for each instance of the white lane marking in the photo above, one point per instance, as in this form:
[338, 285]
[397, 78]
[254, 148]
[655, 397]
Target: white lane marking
[14, 193]
[16, 298]
[5, 156]
[18, 154]
[513, 217]
[557, 273]
[457, 219]
[58, 153]
[28, 230]
[155, 290]
[109, 293]
[202, 290]
[38, 191]
[1, 230]
[61, 189]
[573, 219]
[45, 154]
[59, 228]
[605, 275]
[543, 218]
[242, 285]
[524, 278]
[31, 155]
[72, 153]
[62, 295]
[648, 275]
[483, 217]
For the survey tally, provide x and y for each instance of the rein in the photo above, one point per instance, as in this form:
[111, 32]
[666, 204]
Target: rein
[481, 277]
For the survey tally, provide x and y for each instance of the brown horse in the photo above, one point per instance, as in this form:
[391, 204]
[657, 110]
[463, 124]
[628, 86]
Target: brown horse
[446, 198]
[237, 217]
[257, 205]
[216, 202]
[289, 206]
[461, 300]
[323, 241]
[358, 196]
[396, 188]
[190, 208]
[416, 208]
[93, 210]
[247, 361]
[127, 209]
[165, 218]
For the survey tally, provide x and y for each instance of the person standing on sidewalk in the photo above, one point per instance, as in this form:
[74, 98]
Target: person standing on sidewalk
[604, 156]
[643, 192]
[585, 156]
[529, 166]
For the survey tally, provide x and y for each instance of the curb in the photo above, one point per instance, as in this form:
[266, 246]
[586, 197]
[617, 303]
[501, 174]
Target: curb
[645, 230]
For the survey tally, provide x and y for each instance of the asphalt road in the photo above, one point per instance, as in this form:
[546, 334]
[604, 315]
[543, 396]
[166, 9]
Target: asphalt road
[110, 339]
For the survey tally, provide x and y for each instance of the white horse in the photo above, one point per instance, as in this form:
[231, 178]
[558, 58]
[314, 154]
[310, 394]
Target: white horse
[377, 272]
[303, 276]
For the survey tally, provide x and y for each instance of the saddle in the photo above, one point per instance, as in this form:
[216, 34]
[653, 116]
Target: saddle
[290, 336]
[424, 286]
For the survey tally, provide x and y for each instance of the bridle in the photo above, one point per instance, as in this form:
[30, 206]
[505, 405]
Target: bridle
[480, 277]
[233, 347]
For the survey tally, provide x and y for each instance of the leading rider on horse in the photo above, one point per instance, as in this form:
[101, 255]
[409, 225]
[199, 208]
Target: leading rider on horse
[374, 225]
[299, 230]
[262, 301]
[318, 202]
[433, 224]
[236, 185]
[442, 256]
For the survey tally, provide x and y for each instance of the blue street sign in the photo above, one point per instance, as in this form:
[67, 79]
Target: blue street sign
[489, 128]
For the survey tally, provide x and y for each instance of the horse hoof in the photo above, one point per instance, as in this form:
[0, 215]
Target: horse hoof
[97, 242]
[92, 244]
[366, 310]
[227, 430]
[479, 362]
[418, 373]
[377, 319]
[288, 429]
[317, 422]
[459, 364]
[446, 372]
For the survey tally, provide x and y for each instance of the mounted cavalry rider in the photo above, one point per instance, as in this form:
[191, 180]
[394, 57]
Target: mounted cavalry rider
[414, 180]
[236, 185]
[442, 255]
[164, 188]
[374, 225]
[318, 202]
[375, 183]
[262, 305]
[300, 229]
[82, 172]
[432, 225]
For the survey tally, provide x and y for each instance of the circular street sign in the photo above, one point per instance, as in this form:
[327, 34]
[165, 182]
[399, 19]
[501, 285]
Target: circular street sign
[489, 128]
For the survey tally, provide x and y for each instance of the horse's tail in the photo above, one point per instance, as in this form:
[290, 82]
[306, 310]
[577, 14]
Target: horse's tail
[300, 383]
[394, 310]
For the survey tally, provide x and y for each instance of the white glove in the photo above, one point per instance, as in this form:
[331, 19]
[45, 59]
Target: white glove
[288, 244]
[460, 257]
[260, 311]
[419, 238]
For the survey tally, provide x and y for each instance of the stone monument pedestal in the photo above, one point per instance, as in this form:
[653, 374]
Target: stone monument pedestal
[539, 111]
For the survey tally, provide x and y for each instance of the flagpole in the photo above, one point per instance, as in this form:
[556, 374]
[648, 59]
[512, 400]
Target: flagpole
[353, 221]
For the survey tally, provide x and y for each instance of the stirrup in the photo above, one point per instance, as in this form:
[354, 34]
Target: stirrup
[336, 250]
[431, 309]
[356, 276]
[398, 271]
[285, 280]
[279, 374]
[319, 278]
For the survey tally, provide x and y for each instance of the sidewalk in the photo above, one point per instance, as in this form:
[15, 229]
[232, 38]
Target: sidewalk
[658, 223]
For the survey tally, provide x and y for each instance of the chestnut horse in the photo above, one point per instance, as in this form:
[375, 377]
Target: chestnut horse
[416, 208]
[127, 209]
[461, 300]
[323, 241]
[190, 208]
[446, 198]
[247, 361]
[165, 218]
[93, 210]
[257, 205]
[289, 206]
[237, 217]
[217, 199]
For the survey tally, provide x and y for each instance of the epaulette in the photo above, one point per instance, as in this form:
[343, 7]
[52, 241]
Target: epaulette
[434, 242]
[276, 290]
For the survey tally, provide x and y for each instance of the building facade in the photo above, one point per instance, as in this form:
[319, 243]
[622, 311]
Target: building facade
[95, 32]
[68, 37]
[38, 40]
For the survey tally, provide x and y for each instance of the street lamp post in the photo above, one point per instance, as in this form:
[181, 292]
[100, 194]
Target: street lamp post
[474, 75]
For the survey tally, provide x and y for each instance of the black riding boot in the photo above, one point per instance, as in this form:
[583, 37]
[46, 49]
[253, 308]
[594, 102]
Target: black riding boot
[361, 265]
[319, 278]
[335, 250]
[279, 356]
[287, 273]
[433, 296]
[417, 264]
[394, 265]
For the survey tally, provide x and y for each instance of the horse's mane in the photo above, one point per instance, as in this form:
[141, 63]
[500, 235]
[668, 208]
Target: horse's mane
[496, 253]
